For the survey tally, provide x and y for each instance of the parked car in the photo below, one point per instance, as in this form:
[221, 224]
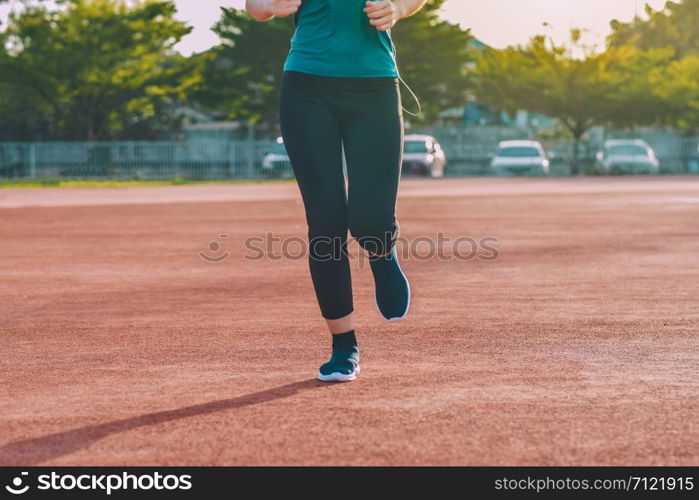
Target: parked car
[276, 163]
[520, 158]
[627, 157]
[422, 155]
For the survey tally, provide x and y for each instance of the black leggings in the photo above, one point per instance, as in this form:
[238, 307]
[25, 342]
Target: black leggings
[318, 114]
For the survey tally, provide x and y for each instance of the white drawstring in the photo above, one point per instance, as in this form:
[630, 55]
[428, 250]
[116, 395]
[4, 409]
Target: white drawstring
[395, 61]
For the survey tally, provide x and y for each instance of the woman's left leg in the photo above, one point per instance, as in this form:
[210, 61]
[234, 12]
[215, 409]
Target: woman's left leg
[372, 133]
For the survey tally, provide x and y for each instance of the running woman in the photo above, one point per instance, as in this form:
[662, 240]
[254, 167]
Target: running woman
[340, 87]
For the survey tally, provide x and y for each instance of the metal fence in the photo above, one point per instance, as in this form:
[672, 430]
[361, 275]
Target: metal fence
[134, 160]
[468, 153]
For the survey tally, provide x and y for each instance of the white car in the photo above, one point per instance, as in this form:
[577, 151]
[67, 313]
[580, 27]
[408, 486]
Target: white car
[520, 158]
[422, 155]
[276, 163]
[632, 156]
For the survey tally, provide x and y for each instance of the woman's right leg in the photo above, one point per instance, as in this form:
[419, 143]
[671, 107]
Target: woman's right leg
[311, 133]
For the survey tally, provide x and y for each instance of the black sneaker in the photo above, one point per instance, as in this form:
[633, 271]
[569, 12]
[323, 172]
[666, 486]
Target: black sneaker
[342, 367]
[392, 290]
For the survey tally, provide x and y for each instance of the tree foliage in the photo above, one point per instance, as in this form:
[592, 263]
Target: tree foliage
[433, 56]
[107, 69]
[242, 78]
[599, 88]
[542, 77]
[675, 25]
[93, 70]
[677, 84]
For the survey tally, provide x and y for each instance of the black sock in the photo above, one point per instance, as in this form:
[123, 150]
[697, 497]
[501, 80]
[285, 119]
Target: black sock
[344, 340]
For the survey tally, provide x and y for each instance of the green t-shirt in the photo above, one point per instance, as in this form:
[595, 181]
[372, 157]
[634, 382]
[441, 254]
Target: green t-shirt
[334, 38]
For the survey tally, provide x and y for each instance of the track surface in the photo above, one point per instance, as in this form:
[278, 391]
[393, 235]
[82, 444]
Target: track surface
[578, 345]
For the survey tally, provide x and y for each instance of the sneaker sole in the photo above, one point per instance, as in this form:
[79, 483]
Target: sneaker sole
[339, 377]
[376, 302]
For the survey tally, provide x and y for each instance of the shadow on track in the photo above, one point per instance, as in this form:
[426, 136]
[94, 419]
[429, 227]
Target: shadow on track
[40, 449]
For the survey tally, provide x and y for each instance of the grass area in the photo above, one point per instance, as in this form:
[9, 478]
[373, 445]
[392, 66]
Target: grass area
[118, 183]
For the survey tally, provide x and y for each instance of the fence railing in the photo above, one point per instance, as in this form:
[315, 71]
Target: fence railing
[245, 159]
[134, 160]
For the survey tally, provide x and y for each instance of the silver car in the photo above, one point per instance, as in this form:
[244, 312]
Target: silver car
[520, 158]
[276, 163]
[422, 155]
[627, 157]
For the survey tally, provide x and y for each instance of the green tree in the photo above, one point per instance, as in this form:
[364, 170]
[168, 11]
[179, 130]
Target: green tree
[93, 70]
[677, 84]
[675, 25]
[242, 77]
[674, 83]
[242, 81]
[433, 56]
[598, 88]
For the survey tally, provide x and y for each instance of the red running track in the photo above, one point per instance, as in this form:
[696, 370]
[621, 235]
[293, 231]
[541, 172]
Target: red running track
[577, 346]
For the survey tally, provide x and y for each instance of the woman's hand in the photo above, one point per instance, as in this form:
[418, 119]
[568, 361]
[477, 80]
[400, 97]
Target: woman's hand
[261, 10]
[283, 8]
[383, 14]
